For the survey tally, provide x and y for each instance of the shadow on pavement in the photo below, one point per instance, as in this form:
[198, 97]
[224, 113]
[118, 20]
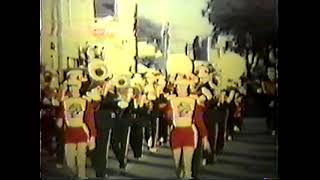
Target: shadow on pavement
[151, 164]
[256, 142]
[250, 167]
[250, 156]
[166, 156]
[225, 176]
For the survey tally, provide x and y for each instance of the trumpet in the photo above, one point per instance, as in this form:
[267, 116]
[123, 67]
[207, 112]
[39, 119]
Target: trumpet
[98, 70]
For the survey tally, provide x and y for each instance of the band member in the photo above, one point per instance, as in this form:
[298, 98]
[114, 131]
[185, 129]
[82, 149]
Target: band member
[151, 126]
[241, 104]
[238, 113]
[79, 128]
[121, 127]
[233, 107]
[184, 135]
[270, 91]
[59, 133]
[224, 107]
[151, 96]
[140, 118]
[105, 120]
[201, 128]
[47, 119]
[145, 114]
[163, 123]
[50, 106]
[212, 117]
[136, 123]
[156, 119]
[166, 108]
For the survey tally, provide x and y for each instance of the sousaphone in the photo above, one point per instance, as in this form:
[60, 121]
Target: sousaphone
[121, 81]
[98, 70]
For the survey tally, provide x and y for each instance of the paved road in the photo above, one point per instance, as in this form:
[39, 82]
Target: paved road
[251, 155]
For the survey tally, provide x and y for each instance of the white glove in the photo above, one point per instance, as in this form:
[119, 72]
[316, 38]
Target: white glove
[206, 144]
[64, 86]
[259, 90]
[113, 115]
[46, 101]
[92, 143]
[59, 122]
[55, 102]
[86, 98]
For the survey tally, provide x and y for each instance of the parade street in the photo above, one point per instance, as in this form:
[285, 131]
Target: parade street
[251, 155]
[170, 89]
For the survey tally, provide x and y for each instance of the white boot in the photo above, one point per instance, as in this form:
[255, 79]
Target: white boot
[59, 166]
[150, 142]
[153, 149]
[204, 162]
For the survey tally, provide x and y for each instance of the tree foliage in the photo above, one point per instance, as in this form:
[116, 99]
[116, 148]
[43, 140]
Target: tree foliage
[258, 17]
[148, 30]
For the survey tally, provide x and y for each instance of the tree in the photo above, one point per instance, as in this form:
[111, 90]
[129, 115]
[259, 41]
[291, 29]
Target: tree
[148, 30]
[258, 17]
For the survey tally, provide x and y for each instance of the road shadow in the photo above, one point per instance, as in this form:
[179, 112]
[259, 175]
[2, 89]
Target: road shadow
[265, 150]
[149, 164]
[158, 155]
[257, 142]
[225, 175]
[144, 163]
[250, 156]
[250, 167]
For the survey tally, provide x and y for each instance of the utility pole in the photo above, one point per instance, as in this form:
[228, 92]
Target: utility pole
[165, 39]
[209, 48]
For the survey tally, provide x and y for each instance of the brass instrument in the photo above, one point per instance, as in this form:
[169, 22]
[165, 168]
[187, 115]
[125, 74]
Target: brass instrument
[98, 70]
[121, 81]
[122, 84]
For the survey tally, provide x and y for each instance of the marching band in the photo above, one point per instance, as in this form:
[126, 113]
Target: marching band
[125, 112]
[104, 99]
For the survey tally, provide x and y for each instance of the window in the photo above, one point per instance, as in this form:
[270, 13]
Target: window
[104, 8]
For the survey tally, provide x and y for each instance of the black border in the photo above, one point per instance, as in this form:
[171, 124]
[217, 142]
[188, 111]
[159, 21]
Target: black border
[20, 89]
[297, 88]
[20, 80]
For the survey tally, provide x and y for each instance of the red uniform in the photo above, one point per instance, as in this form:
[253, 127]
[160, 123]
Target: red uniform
[78, 134]
[187, 136]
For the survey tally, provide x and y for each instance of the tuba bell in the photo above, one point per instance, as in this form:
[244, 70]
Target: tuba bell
[121, 82]
[98, 70]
